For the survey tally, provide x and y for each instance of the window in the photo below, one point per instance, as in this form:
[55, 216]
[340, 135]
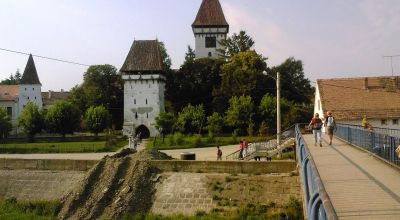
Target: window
[33, 89]
[395, 121]
[134, 101]
[9, 111]
[146, 101]
[35, 97]
[25, 89]
[147, 115]
[28, 97]
[136, 116]
[211, 42]
[209, 54]
[383, 122]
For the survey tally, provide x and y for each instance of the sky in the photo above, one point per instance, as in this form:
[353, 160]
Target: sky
[334, 39]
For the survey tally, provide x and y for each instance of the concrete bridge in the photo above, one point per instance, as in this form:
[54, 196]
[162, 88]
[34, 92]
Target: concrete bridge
[357, 177]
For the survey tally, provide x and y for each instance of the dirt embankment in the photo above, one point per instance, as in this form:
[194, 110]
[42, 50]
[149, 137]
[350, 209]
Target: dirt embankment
[116, 185]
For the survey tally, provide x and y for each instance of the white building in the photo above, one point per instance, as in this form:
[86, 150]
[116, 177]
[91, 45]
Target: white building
[350, 99]
[144, 87]
[209, 28]
[15, 97]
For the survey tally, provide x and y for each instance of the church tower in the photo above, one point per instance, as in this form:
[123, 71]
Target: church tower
[144, 86]
[209, 28]
[29, 87]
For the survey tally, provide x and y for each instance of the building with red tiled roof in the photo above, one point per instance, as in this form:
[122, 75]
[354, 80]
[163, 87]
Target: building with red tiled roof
[351, 99]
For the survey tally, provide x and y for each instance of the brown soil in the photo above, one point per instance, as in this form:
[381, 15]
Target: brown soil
[123, 183]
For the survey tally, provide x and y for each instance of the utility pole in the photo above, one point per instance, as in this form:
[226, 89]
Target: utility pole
[391, 60]
[278, 109]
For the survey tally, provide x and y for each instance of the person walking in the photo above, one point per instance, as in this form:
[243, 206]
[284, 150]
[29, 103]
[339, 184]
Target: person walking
[330, 125]
[219, 153]
[241, 150]
[245, 147]
[316, 125]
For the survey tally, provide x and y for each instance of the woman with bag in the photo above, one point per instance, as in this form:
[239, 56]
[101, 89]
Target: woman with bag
[316, 125]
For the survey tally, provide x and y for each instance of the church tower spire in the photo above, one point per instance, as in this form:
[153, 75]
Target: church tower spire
[209, 28]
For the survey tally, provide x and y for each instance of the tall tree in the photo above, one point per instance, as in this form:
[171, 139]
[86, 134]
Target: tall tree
[240, 113]
[242, 76]
[194, 83]
[237, 43]
[190, 55]
[31, 120]
[63, 118]
[191, 119]
[102, 86]
[164, 54]
[13, 80]
[215, 124]
[5, 124]
[294, 85]
[97, 119]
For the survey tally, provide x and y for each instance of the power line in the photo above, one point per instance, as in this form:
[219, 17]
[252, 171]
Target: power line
[391, 60]
[44, 57]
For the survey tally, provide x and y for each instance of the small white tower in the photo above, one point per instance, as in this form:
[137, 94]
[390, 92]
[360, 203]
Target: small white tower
[144, 86]
[30, 87]
[209, 28]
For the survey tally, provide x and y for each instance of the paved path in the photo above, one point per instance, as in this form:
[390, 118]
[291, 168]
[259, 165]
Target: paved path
[208, 153]
[359, 185]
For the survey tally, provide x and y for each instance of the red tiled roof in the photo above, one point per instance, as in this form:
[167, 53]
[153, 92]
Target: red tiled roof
[49, 100]
[9, 92]
[210, 14]
[348, 98]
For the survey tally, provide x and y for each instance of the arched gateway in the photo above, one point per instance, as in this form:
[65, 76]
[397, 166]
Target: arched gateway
[143, 132]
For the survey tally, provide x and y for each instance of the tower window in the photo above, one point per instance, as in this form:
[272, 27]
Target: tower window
[211, 42]
[33, 89]
[209, 54]
[9, 111]
[147, 115]
[146, 101]
[35, 97]
[28, 97]
[136, 116]
[134, 101]
[25, 89]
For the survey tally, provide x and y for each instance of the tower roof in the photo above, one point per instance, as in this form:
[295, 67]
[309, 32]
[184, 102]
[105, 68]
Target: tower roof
[30, 75]
[210, 14]
[144, 55]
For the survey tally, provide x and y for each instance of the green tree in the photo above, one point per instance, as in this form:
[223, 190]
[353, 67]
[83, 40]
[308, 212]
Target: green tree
[240, 113]
[164, 55]
[242, 76]
[237, 43]
[63, 118]
[191, 119]
[262, 130]
[31, 120]
[194, 83]
[215, 124]
[294, 85]
[13, 80]
[165, 122]
[190, 55]
[5, 124]
[97, 119]
[102, 86]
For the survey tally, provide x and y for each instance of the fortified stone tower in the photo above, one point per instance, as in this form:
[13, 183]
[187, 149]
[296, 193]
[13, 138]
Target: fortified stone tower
[30, 87]
[209, 28]
[144, 86]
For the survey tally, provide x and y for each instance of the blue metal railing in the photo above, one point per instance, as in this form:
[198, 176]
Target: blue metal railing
[317, 202]
[380, 144]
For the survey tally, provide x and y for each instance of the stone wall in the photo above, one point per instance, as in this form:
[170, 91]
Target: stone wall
[45, 164]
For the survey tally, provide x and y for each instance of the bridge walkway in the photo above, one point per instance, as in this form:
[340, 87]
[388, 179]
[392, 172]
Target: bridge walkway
[359, 185]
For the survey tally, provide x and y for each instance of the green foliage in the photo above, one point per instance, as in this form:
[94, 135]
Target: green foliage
[237, 43]
[178, 138]
[262, 130]
[240, 113]
[13, 80]
[191, 119]
[164, 55]
[13, 209]
[215, 123]
[31, 120]
[295, 87]
[97, 119]
[5, 124]
[250, 128]
[190, 55]
[242, 76]
[63, 118]
[193, 84]
[165, 122]
[102, 86]
[197, 140]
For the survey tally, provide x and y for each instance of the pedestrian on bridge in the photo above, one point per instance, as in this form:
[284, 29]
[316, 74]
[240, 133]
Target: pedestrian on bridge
[316, 125]
[330, 125]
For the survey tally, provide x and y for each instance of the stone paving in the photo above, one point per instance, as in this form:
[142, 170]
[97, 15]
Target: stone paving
[183, 193]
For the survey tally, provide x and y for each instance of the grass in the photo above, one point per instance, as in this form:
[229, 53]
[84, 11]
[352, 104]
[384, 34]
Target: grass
[42, 210]
[61, 147]
[179, 141]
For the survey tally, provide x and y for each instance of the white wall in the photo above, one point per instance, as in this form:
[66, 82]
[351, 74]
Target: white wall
[29, 93]
[138, 89]
[200, 35]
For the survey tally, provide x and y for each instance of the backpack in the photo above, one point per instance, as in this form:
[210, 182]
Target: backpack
[316, 123]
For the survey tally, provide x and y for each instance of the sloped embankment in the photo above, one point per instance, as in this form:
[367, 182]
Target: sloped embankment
[116, 185]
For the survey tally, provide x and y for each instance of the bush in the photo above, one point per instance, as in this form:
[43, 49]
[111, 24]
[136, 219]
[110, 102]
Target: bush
[178, 138]
[197, 140]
